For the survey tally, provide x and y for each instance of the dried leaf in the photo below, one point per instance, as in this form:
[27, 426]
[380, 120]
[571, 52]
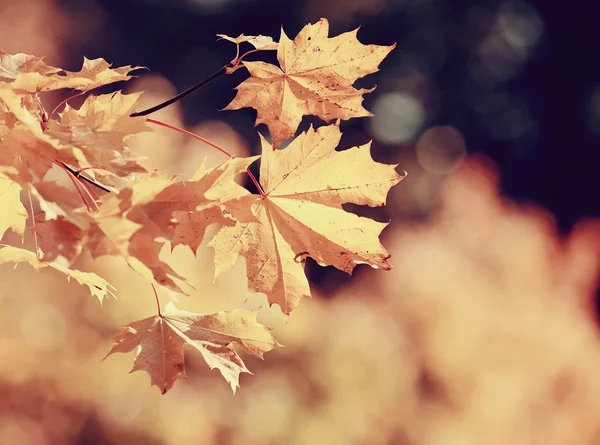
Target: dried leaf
[316, 77]
[160, 340]
[93, 74]
[13, 215]
[306, 184]
[100, 128]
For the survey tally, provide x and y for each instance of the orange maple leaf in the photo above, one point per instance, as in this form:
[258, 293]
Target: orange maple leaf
[316, 77]
[161, 338]
[100, 128]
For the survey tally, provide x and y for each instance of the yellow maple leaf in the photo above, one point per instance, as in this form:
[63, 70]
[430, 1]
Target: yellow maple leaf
[93, 74]
[100, 128]
[98, 72]
[27, 146]
[301, 215]
[160, 340]
[316, 77]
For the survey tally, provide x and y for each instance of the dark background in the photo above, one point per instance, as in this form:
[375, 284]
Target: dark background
[553, 161]
[518, 79]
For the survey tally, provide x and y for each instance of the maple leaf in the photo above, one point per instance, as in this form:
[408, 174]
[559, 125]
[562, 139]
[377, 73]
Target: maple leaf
[316, 77]
[100, 128]
[93, 74]
[98, 72]
[160, 340]
[108, 232]
[97, 286]
[26, 146]
[306, 185]
[136, 222]
[180, 212]
[13, 215]
[212, 188]
[11, 65]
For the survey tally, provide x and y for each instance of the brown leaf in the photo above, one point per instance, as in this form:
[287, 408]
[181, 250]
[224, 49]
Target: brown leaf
[100, 128]
[56, 200]
[161, 338]
[180, 212]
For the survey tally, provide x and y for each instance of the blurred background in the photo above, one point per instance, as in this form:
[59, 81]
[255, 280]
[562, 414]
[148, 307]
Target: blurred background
[486, 330]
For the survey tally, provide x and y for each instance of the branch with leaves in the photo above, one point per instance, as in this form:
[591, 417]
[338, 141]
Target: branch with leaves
[115, 207]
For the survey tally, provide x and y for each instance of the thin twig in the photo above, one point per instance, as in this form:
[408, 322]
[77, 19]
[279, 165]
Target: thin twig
[233, 64]
[81, 93]
[91, 194]
[189, 133]
[183, 94]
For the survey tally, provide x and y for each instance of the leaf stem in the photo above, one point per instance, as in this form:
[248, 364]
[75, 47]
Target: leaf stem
[189, 133]
[35, 237]
[183, 94]
[76, 184]
[212, 144]
[78, 174]
[157, 300]
[81, 93]
[90, 193]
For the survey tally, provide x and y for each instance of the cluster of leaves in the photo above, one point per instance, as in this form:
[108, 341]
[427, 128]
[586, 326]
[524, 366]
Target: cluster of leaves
[115, 207]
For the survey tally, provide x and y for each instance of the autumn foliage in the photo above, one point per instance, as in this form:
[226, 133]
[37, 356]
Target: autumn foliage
[106, 203]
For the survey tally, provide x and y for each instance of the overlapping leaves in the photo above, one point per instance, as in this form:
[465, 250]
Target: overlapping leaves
[297, 214]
